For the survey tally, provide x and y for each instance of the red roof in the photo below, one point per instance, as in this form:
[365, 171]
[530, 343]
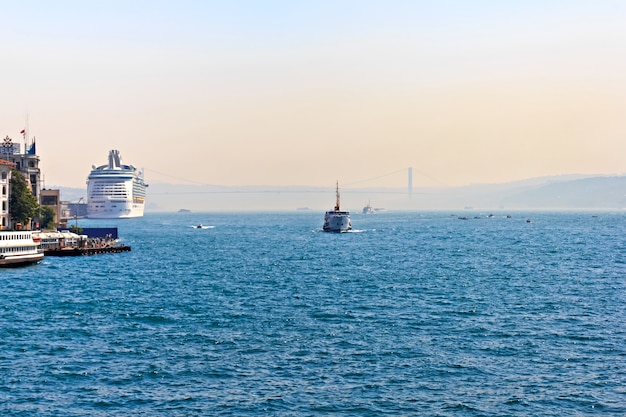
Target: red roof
[7, 163]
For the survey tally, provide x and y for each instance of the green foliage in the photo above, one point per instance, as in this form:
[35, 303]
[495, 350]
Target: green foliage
[23, 204]
[46, 218]
[76, 229]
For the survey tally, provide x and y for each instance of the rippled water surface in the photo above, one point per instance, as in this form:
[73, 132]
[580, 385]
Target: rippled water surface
[263, 314]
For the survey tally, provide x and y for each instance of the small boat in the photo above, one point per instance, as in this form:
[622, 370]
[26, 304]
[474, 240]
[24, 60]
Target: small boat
[368, 209]
[19, 249]
[202, 226]
[336, 220]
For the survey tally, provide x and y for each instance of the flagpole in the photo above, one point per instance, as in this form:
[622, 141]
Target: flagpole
[26, 135]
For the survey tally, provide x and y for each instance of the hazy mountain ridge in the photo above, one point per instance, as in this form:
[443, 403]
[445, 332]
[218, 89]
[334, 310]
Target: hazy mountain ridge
[550, 193]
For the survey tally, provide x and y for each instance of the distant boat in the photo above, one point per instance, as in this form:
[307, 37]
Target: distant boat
[184, 211]
[368, 209]
[336, 220]
[201, 226]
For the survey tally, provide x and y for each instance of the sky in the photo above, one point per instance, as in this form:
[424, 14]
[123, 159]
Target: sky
[286, 93]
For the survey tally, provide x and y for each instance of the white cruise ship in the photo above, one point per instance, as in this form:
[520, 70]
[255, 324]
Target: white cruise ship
[115, 190]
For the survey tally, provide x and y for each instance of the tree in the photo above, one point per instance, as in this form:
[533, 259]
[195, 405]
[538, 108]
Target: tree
[76, 229]
[23, 204]
[47, 217]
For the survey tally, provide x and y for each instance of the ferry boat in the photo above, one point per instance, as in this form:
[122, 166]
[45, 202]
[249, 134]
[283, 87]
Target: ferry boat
[115, 190]
[336, 220]
[19, 249]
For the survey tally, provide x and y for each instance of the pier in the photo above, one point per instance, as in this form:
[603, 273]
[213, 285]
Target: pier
[91, 241]
[86, 251]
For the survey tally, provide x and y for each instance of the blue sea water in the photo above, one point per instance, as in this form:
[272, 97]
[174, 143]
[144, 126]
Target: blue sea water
[265, 315]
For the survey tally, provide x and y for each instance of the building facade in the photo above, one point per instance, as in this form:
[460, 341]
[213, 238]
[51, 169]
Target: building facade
[5, 177]
[26, 162]
[52, 199]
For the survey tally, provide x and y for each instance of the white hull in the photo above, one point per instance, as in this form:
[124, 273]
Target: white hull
[115, 210]
[20, 260]
[337, 221]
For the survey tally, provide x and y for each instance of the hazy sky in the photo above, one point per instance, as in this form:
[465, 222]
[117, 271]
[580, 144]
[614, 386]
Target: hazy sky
[306, 93]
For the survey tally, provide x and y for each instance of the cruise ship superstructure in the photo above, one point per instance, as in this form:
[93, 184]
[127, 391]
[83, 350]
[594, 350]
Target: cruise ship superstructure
[115, 190]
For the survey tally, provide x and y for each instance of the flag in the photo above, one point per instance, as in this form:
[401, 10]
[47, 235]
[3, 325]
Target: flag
[23, 131]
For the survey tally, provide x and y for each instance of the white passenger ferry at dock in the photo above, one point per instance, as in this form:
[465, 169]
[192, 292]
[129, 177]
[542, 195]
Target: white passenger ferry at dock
[115, 190]
[337, 220]
[19, 248]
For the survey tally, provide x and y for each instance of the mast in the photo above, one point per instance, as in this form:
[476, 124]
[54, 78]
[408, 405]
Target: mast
[337, 195]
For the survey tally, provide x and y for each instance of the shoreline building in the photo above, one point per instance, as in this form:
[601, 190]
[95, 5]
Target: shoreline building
[27, 162]
[52, 199]
[5, 177]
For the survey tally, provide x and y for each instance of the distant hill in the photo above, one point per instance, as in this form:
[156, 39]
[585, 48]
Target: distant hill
[596, 192]
[549, 193]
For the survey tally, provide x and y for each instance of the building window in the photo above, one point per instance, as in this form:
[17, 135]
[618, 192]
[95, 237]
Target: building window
[49, 200]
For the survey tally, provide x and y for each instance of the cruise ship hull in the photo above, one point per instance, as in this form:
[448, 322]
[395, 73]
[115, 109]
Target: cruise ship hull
[115, 210]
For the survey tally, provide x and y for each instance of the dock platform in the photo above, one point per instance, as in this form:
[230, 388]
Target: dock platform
[86, 251]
